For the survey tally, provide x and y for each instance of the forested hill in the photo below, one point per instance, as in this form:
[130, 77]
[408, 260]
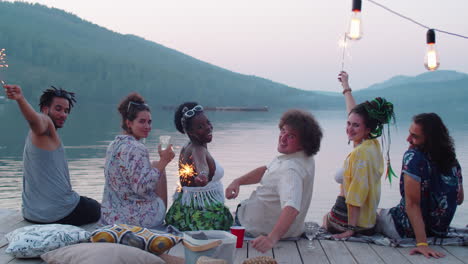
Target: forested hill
[439, 91]
[49, 46]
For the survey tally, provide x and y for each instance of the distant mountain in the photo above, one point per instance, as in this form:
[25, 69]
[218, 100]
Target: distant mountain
[436, 76]
[49, 46]
[444, 91]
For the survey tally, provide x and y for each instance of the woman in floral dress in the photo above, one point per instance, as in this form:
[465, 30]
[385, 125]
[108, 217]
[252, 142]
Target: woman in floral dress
[135, 191]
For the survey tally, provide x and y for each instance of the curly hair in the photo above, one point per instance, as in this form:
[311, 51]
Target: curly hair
[48, 96]
[182, 127]
[129, 108]
[375, 113]
[310, 133]
[438, 143]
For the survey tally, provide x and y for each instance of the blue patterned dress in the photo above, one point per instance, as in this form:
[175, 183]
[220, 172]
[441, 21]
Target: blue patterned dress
[438, 195]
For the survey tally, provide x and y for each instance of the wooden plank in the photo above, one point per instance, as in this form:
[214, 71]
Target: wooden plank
[6, 212]
[419, 259]
[252, 252]
[16, 225]
[3, 241]
[337, 252]
[286, 252]
[4, 258]
[11, 223]
[459, 252]
[241, 253]
[363, 253]
[8, 221]
[316, 255]
[389, 254]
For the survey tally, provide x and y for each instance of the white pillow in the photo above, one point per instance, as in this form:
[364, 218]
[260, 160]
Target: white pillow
[32, 241]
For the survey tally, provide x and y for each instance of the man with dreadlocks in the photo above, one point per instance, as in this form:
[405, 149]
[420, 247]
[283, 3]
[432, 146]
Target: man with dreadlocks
[430, 186]
[47, 193]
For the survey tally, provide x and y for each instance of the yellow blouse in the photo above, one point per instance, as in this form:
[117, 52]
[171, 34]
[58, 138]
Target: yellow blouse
[363, 169]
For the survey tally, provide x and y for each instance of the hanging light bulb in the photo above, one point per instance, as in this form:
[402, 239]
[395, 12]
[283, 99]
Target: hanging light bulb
[355, 25]
[431, 60]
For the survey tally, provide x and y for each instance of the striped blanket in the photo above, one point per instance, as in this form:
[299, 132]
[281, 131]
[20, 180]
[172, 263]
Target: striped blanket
[455, 237]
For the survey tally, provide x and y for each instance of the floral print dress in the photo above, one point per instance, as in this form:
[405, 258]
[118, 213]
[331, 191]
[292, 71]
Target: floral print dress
[129, 191]
[438, 195]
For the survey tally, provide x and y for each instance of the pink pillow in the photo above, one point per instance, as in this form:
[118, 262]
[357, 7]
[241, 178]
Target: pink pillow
[100, 253]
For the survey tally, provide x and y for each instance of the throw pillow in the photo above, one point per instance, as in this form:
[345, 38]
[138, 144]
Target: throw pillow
[100, 253]
[34, 240]
[135, 236]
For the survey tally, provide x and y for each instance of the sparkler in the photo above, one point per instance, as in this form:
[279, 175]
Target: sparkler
[3, 62]
[343, 44]
[187, 173]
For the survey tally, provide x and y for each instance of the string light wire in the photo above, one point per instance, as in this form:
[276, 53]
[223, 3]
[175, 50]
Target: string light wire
[416, 22]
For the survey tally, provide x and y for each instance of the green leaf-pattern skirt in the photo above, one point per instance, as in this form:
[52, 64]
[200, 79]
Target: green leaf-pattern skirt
[214, 216]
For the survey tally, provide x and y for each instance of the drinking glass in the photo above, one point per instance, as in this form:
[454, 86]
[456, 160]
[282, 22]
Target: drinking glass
[164, 141]
[311, 230]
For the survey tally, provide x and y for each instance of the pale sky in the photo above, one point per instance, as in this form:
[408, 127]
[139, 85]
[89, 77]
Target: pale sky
[294, 42]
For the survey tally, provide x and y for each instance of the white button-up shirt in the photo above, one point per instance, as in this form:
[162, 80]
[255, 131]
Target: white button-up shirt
[288, 181]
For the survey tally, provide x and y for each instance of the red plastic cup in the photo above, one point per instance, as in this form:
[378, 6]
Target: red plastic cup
[238, 231]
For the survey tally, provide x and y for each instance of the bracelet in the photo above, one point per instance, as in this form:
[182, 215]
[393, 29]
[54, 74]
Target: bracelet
[347, 90]
[422, 244]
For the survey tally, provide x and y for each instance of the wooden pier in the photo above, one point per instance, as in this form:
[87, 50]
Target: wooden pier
[285, 252]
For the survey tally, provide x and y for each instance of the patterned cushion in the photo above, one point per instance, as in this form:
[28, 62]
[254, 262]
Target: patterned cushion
[32, 241]
[136, 236]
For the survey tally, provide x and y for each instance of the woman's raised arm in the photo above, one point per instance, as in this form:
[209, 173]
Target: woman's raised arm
[349, 99]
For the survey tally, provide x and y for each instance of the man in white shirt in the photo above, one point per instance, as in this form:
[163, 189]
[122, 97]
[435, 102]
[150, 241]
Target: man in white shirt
[278, 207]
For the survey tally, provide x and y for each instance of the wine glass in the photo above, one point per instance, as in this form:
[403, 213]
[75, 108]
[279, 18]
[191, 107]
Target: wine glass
[311, 230]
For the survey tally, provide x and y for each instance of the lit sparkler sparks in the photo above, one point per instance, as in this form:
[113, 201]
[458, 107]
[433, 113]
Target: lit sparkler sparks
[187, 173]
[344, 45]
[3, 63]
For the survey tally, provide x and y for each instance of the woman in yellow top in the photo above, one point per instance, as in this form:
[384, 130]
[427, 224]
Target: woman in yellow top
[355, 208]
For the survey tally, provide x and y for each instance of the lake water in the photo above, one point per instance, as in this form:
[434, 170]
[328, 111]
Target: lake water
[242, 141]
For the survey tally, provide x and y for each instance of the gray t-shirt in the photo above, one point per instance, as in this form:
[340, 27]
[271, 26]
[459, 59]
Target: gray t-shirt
[47, 192]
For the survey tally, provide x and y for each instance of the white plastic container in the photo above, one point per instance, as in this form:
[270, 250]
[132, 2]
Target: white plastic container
[215, 244]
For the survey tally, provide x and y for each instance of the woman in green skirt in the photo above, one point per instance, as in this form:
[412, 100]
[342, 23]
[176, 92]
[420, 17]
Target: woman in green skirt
[199, 200]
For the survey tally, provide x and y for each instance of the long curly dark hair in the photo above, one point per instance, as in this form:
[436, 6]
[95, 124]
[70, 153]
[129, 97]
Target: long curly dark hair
[438, 143]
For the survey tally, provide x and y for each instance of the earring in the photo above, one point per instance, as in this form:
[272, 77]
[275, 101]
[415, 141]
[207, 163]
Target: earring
[349, 141]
